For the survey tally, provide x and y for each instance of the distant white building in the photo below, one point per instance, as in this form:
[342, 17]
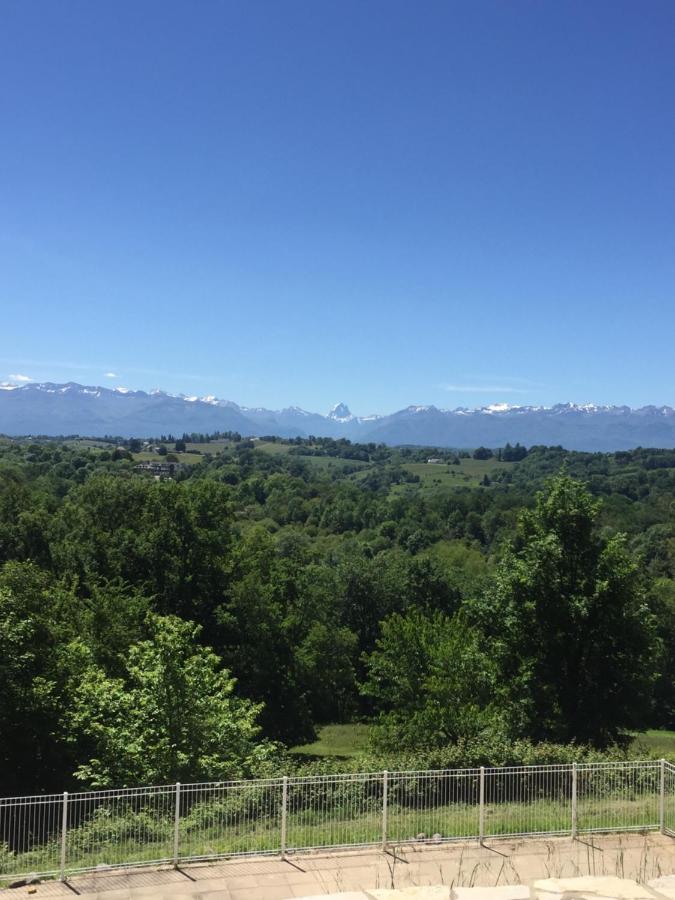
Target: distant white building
[158, 469]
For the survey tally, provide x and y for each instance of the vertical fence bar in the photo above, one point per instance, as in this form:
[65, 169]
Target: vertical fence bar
[176, 826]
[64, 836]
[385, 810]
[662, 798]
[284, 813]
[574, 801]
[481, 806]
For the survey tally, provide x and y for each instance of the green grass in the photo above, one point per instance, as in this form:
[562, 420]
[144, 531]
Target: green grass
[325, 463]
[209, 449]
[660, 742]
[188, 459]
[336, 740]
[84, 443]
[273, 447]
[349, 740]
[469, 473]
[328, 463]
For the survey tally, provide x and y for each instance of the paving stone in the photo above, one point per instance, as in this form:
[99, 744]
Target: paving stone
[362, 874]
[498, 892]
[345, 895]
[582, 896]
[268, 893]
[665, 885]
[594, 886]
[420, 892]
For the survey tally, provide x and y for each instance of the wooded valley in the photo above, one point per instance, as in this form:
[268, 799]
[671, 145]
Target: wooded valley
[471, 608]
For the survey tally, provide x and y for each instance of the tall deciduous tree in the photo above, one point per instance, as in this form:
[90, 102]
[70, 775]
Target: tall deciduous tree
[172, 717]
[31, 679]
[569, 624]
[430, 680]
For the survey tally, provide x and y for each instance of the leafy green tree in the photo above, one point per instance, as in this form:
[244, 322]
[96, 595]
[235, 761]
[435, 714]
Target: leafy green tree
[110, 618]
[325, 661]
[568, 623]
[482, 453]
[662, 604]
[258, 636]
[32, 678]
[169, 540]
[513, 454]
[430, 680]
[173, 716]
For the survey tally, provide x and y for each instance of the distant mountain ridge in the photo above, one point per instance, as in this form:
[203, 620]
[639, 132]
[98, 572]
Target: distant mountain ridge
[71, 408]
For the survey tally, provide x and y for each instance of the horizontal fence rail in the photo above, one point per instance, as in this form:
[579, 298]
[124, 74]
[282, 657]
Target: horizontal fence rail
[54, 835]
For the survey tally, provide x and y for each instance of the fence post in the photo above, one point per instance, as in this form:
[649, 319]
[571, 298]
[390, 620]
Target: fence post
[481, 808]
[176, 824]
[64, 836]
[662, 798]
[284, 813]
[574, 800]
[385, 804]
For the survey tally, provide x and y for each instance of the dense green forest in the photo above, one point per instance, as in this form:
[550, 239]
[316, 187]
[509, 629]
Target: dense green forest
[488, 606]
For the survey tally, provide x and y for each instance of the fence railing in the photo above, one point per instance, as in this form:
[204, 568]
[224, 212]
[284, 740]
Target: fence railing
[60, 834]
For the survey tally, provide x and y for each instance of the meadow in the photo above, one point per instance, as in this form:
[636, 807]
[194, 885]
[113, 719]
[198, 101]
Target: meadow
[348, 740]
[469, 473]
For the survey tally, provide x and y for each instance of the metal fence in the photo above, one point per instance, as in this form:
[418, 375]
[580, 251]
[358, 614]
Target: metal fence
[61, 834]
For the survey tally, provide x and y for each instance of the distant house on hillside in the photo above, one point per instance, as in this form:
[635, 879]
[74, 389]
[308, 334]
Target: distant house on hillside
[158, 469]
[435, 460]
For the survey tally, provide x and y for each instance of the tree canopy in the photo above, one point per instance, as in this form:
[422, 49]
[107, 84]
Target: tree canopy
[184, 628]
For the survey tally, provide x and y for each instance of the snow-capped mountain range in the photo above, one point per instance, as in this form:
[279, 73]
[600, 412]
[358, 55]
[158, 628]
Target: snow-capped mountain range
[67, 409]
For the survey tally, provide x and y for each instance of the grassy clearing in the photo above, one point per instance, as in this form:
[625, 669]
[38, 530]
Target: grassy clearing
[326, 463]
[469, 473]
[660, 742]
[188, 459]
[273, 447]
[209, 449]
[84, 443]
[333, 463]
[336, 740]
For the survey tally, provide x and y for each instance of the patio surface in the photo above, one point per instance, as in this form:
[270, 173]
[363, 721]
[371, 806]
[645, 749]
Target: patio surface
[641, 857]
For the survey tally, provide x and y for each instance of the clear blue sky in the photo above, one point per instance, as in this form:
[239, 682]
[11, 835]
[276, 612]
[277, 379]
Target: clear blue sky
[374, 201]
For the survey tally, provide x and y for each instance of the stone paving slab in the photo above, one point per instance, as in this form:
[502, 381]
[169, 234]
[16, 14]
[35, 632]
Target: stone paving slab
[503, 869]
[431, 892]
[587, 887]
[597, 886]
[501, 892]
[664, 885]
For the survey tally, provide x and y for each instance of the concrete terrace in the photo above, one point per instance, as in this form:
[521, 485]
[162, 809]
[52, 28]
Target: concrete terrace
[641, 857]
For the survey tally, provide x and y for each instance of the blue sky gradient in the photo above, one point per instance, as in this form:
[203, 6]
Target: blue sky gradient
[381, 202]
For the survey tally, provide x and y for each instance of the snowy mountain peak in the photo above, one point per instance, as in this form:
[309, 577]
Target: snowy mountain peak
[340, 413]
[497, 408]
[67, 409]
